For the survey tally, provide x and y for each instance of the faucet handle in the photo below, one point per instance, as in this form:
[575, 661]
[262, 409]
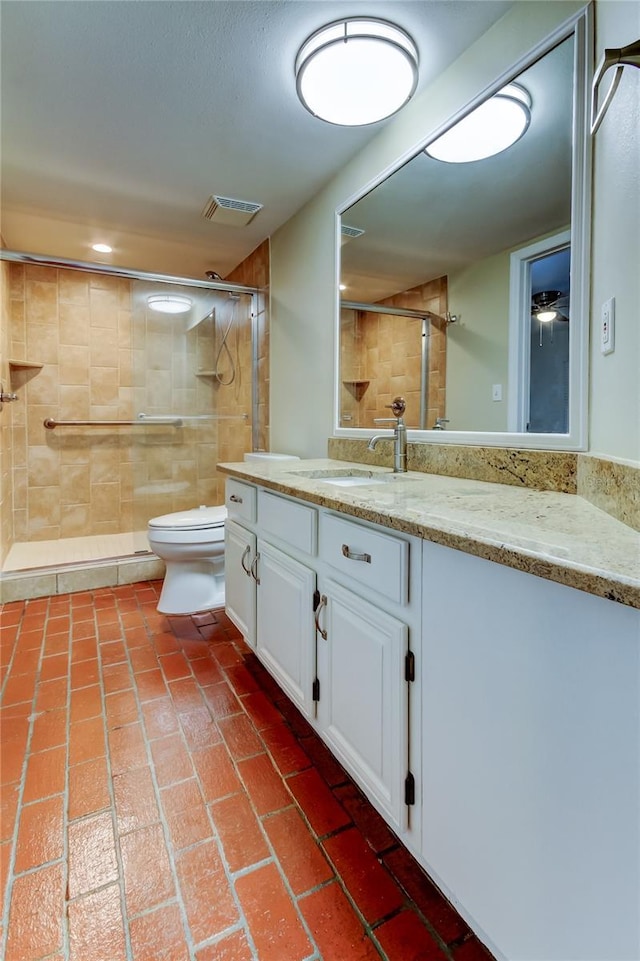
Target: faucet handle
[398, 405]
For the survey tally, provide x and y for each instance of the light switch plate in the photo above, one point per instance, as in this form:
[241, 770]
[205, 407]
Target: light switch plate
[607, 326]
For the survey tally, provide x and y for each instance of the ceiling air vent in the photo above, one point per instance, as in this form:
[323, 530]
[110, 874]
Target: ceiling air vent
[233, 213]
[349, 233]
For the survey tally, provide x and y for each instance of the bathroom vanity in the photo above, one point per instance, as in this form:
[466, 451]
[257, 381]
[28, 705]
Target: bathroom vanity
[470, 653]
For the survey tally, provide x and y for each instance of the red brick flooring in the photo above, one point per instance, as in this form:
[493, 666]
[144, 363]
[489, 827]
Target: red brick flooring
[163, 801]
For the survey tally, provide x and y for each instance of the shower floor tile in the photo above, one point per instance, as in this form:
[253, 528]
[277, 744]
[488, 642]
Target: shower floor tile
[162, 798]
[28, 555]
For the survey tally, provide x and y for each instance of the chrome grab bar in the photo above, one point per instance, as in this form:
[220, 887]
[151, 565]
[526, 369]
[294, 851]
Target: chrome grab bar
[323, 603]
[51, 424]
[346, 550]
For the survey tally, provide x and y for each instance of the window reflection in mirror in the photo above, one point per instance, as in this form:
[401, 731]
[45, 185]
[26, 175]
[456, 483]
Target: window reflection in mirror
[437, 239]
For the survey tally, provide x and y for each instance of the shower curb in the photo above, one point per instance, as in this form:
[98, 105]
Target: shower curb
[70, 578]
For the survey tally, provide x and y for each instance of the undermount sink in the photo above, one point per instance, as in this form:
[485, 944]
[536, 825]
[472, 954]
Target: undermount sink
[350, 477]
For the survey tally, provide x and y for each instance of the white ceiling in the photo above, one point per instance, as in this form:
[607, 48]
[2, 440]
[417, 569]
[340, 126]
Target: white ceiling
[120, 118]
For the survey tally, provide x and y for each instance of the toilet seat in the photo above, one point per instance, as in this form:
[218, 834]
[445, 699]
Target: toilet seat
[197, 519]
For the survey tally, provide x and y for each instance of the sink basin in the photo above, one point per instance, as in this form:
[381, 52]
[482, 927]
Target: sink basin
[351, 477]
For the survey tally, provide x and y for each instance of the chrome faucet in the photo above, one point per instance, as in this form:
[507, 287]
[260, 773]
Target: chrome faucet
[398, 407]
[440, 422]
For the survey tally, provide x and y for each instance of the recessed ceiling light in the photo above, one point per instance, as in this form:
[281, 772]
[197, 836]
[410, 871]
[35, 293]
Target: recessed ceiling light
[102, 248]
[356, 71]
[488, 130]
[170, 303]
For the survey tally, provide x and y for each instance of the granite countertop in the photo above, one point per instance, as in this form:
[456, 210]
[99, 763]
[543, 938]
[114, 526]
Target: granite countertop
[560, 537]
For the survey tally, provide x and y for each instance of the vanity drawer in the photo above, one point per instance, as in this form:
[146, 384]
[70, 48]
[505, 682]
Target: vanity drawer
[379, 561]
[240, 500]
[294, 523]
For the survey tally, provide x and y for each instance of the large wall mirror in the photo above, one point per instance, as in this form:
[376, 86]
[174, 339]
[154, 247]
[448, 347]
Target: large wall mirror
[463, 284]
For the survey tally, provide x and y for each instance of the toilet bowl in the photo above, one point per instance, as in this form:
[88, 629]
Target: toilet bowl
[191, 543]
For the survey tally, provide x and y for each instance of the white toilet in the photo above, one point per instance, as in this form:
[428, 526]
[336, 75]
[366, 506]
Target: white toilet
[191, 543]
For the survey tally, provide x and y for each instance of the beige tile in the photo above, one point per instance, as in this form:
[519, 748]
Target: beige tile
[74, 366]
[23, 587]
[87, 579]
[143, 570]
[37, 273]
[43, 509]
[104, 386]
[74, 324]
[42, 302]
[74, 402]
[103, 343]
[105, 467]
[75, 520]
[103, 307]
[75, 485]
[43, 390]
[16, 281]
[74, 287]
[104, 502]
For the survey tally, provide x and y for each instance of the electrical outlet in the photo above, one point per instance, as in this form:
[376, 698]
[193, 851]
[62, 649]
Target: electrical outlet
[496, 392]
[607, 326]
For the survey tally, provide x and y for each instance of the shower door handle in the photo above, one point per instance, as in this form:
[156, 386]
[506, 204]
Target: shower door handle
[245, 554]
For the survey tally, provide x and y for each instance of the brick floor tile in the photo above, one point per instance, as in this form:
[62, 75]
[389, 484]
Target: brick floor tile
[113, 653]
[263, 784]
[8, 810]
[88, 788]
[12, 754]
[19, 689]
[273, 921]
[405, 937]
[186, 814]
[240, 736]
[241, 680]
[373, 891]
[336, 928]
[324, 762]
[216, 772]
[221, 700]
[143, 658]
[46, 774]
[50, 695]
[171, 760]
[146, 869]
[186, 694]
[300, 857]
[239, 831]
[285, 750]
[56, 644]
[226, 654]
[135, 797]
[261, 710]
[86, 702]
[408, 873]
[49, 730]
[85, 673]
[56, 665]
[199, 730]
[165, 642]
[25, 661]
[206, 671]
[35, 918]
[58, 625]
[92, 856]
[151, 684]
[116, 677]
[174, 666]
[207, 897]
[96, 928]
[86, 740]
[317, 802]
[121, 708]
[235, 947]
[5, 858]
[127, 748]
[40, 834]
[374, 828]
[30, 640]
[160, 717]
[159, 936]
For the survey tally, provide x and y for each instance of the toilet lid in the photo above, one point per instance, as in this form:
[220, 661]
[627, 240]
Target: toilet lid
[194, 519]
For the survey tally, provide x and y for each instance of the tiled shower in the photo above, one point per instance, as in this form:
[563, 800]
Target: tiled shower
[78, 345]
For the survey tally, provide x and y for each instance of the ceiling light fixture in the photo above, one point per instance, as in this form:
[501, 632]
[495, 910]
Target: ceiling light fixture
[496, 124]
[169, 303]
[102, 248]
[356, 71]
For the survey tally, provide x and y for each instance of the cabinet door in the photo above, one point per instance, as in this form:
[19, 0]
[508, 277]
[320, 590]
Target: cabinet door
[240, 586]
[285, 623]
[363, 695]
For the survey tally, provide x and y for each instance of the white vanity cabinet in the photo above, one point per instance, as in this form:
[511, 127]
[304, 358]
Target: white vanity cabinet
[531, 759]
[270, 585]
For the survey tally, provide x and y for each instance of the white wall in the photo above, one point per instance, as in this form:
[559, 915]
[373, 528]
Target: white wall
[303, 251]
[615, 378]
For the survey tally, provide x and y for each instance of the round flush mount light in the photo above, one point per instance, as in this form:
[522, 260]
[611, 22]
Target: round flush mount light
[169, 303]
[102, 248]
[496, 124]
[356, 71]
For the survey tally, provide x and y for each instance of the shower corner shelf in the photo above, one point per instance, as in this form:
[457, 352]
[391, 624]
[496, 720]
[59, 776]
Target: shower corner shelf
[356, 387]
[24, 365]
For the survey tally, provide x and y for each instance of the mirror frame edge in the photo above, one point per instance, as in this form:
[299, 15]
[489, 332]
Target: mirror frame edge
[581, 26]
